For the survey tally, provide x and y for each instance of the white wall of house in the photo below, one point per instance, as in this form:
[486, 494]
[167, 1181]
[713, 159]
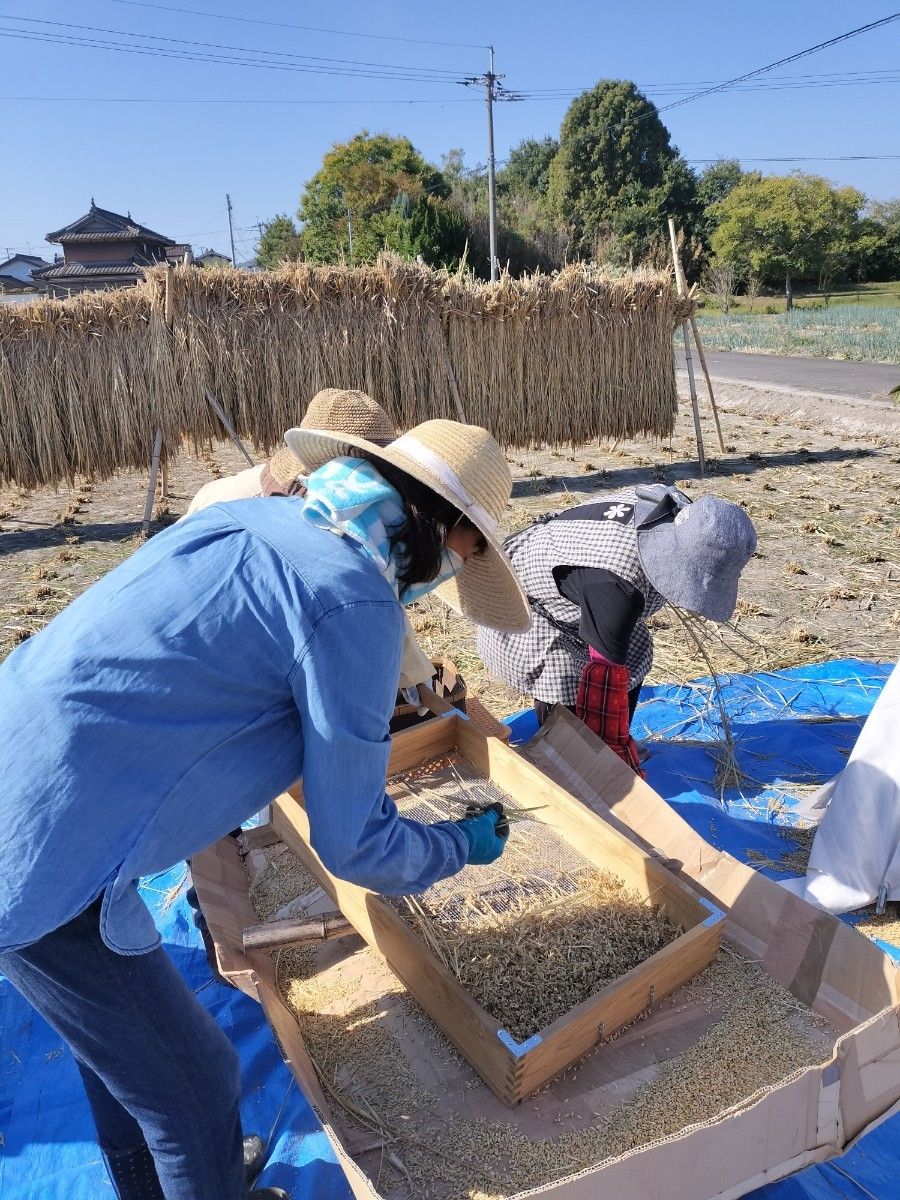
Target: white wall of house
[19, 268]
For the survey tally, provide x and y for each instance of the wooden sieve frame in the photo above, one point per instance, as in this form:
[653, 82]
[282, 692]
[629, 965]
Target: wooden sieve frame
[514, 1069]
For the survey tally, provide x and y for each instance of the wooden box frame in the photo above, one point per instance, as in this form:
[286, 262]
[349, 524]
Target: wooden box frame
[449, 685]
[449, 695]
[514, 1069]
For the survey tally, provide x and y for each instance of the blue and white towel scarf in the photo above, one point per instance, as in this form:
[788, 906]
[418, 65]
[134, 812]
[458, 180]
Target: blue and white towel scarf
[349, 497]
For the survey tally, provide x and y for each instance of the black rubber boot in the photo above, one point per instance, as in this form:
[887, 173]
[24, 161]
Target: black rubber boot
[133, 1174]
[254, 1157]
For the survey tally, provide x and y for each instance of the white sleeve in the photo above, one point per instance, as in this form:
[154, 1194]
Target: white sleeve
[234, 487]
[415, 666]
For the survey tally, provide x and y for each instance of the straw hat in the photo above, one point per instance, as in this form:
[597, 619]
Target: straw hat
[465, 465]
[343, 412]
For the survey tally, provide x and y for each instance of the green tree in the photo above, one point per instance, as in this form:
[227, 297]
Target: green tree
[432, 229]
[526, 174]
[878, 245]
[717, 180]
[357, 202]
[713, 185]
[617, 175]
[789, 226]
[280, 241]
[526, 239]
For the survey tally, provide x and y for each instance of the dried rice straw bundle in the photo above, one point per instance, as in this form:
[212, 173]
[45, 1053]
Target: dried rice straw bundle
[561, 359]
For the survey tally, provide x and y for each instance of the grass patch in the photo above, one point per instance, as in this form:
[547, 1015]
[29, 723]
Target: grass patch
[881, 295]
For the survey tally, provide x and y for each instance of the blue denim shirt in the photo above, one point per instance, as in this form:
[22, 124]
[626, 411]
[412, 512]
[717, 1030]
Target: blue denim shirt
[229, 656]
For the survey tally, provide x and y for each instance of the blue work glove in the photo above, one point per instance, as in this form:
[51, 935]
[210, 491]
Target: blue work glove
[486, 844]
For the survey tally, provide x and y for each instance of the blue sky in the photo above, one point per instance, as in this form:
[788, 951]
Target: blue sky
[171, 164]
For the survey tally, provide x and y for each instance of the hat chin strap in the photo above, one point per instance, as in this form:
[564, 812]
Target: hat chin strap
[432, 462]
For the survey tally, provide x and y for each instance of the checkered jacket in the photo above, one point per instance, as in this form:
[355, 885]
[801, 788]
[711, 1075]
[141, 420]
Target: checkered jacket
[548, 659]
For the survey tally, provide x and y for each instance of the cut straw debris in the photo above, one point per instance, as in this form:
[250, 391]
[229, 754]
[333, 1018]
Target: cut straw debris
[549, 946]
[536, 933]
[758, 1036]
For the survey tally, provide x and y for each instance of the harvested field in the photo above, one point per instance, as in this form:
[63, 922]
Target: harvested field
[824, 584]
[724, 1037]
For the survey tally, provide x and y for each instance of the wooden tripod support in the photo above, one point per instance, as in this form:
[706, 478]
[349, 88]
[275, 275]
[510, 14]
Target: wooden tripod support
[681, 284]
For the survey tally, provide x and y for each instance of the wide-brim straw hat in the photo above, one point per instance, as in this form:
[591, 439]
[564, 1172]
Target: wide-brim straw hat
[465, 465]
[341, 411]
[693, 553]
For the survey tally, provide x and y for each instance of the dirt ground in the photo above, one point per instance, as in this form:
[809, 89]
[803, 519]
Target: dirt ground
[824, 583]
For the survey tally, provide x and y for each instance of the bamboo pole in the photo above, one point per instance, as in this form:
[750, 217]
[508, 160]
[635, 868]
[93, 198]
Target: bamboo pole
[682, 289]
[681, 283]
[701, 456]
[151, 489]
[220, 412]
[168, 317]
[712, 399]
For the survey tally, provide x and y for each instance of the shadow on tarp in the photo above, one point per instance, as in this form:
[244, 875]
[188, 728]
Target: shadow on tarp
[48, 1150]
[844, 688]
[751, 824]
[794, 752]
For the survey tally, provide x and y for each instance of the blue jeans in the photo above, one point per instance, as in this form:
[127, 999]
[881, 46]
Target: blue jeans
[158, 1071]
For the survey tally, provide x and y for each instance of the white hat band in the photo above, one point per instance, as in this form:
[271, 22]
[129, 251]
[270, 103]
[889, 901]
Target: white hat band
[432, 462]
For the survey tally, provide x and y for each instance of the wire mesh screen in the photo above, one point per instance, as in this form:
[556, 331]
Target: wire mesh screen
[538, 868]
[534, 934]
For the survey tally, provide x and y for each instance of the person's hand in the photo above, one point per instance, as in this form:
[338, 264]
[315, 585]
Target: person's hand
[486, 835]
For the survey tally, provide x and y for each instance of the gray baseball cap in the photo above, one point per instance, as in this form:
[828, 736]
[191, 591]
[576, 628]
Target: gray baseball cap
[693, 552]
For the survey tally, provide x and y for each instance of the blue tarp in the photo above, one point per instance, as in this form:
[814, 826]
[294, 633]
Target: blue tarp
[47, 1151]
[790, 727]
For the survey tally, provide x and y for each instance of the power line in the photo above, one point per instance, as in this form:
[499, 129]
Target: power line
[782, 62]
[224, 46]
[822, 78]
[745, 88]
[219, 16]
[230, 100]
[791, 158]
[340, 65]
[826, 80]
[181, 56]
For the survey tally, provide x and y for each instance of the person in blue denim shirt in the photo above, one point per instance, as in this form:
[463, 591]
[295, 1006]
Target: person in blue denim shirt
[253, 645]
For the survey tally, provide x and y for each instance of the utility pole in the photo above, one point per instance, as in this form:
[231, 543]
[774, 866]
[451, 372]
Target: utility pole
[350, 234]
[493, 90]
[490, 79]
[230, 228]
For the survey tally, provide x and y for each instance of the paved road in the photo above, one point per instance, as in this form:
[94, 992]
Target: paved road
[824, 375]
